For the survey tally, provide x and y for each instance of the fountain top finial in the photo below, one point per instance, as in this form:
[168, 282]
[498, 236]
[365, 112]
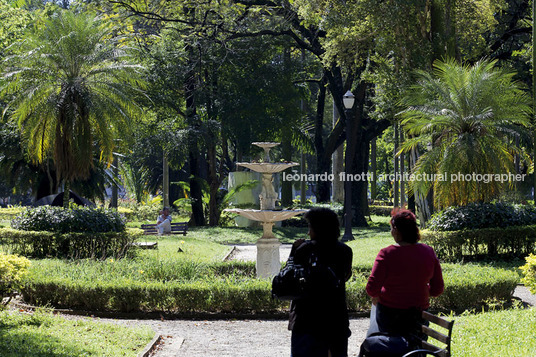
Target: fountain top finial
[266, 146]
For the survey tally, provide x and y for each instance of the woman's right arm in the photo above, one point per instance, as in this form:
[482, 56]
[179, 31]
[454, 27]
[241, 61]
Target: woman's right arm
[437, 285]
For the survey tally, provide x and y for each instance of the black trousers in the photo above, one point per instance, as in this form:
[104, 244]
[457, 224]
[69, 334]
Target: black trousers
[304, 344]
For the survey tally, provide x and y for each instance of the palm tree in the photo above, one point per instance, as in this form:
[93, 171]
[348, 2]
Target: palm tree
[465, 115]
[70, 87]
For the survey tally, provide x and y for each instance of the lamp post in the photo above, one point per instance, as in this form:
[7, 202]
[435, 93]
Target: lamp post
[348, 100]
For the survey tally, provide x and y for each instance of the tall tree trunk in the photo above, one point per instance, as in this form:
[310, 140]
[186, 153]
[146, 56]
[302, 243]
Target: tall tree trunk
[323, 161]
[360, 148]
[443, 29]
[286, 185]
[396, 187]
[360, 187]
[534, 94]
[338, 165]
[66, 193]
[213, 212]
[303, 186]
[402, 171]
[373, 169]
[165, 179]
[115, 194]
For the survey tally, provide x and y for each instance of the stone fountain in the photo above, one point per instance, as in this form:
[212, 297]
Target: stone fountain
[268, 263]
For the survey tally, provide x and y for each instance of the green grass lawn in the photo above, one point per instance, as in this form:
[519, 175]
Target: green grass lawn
[162, 264]
[43, 335]
[500, 333]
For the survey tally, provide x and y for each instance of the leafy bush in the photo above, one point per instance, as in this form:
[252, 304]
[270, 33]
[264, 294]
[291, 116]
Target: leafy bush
[69, 245]
[529, 273]
[467, 287]
[60, 220]
[12, 270]
[482, 243]
[380, 210]
[483, 215]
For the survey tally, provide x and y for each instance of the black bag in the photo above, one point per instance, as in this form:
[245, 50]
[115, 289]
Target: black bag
[384, 345]
[295, 281]
[290, 284]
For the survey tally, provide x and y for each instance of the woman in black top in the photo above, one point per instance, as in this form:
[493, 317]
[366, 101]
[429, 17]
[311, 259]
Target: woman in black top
[319, 323]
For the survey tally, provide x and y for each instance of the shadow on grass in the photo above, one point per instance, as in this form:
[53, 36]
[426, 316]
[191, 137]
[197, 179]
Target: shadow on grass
[250, 235]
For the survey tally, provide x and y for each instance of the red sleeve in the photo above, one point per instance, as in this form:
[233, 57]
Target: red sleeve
[436, 283]
[377, 276]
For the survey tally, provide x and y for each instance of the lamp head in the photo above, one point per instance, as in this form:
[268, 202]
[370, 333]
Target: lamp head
[348, 100]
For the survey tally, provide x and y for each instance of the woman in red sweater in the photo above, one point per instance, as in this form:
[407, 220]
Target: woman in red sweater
[403, 278]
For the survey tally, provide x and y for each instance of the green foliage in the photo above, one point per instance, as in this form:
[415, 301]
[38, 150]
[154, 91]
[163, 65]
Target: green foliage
[68, 245]
[482, 243]
[42, 334]
[483, 215]
[13, 21]
[529, 273]
[12, 270]
[469, 114]
[60, 220]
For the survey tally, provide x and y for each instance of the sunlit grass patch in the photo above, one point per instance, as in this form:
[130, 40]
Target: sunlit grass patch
[42, 334]
[499, 333]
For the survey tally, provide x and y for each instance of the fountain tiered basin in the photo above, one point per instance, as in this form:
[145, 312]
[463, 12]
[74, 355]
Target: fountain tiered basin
[267, 264]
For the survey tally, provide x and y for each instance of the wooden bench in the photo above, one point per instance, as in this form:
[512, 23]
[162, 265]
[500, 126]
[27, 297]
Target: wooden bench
[427, 348]
[176, 228]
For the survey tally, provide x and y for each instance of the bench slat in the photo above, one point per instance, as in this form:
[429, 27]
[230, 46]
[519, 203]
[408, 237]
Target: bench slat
[437, 320]
[435, 334]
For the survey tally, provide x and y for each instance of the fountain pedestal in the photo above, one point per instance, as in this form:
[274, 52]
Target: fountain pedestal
[268, 264]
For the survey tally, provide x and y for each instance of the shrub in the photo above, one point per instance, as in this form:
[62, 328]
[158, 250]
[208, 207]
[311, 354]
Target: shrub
[529, 273]
[483, 215]
[69, 245]
[60, 220]
[467, 287]
[12, 270]
[482, 243]
[380, 210]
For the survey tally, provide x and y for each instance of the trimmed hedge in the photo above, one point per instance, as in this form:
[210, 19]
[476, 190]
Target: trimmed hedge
[69, 245]
[467, 287]
[477, 243]
[10, 212]
[58, 219]
[483, 215]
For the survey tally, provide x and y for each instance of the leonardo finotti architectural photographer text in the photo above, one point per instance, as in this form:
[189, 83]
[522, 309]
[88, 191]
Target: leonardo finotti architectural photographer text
[457, 177]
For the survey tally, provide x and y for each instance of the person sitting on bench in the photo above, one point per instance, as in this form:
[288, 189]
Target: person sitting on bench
[163, 223]
[404, 277]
